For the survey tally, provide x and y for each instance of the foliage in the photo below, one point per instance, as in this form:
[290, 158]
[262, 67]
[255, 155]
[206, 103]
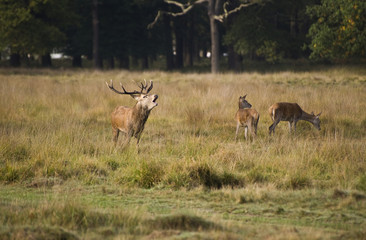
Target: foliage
[361, 185]
[269, 51]
[36, 27]
[271, 31]
[339, 30]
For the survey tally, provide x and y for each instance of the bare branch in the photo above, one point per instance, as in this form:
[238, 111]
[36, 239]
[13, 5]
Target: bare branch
[183, 7]
[150, 25]
[187, 7]
[221, 17]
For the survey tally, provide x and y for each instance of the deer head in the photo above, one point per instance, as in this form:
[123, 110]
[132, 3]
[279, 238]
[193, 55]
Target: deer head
[144, 100]
[244, 103]
[316, 120]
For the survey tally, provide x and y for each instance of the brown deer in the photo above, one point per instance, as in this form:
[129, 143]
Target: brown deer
[131, 120]
[246, 117]
[292, 113]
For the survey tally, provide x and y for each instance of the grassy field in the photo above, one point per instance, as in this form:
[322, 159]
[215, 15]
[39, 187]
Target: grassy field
[62, 178]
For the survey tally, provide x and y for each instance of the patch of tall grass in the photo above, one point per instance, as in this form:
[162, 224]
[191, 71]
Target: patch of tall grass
[55, 125]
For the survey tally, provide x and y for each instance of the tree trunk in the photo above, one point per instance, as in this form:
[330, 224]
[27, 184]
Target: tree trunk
[168, 43]
[97, 63]
[145, 62]
[178, 42]
[213, 6]
[233, 59]
[15, 60]
[46, 60]
[76, 61]
[111, 62]
[293, 23]
[189, 43]
[124, 62]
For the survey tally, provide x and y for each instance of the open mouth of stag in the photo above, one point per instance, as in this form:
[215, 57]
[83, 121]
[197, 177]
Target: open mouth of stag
[156, 98]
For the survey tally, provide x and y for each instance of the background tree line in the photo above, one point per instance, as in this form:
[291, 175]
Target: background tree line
[114, 33]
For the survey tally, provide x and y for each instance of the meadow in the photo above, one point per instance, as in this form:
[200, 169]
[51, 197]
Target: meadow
[62, 178]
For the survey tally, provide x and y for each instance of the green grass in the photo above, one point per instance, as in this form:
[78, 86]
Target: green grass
[61, 177]
[109, 211]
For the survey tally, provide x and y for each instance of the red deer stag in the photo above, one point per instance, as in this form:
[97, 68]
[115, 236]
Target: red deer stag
[131, 121]
[292, 113]
[246, 117]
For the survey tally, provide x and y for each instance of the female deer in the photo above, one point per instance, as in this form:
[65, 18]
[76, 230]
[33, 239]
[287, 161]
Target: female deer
[247, 118]
[292, 113]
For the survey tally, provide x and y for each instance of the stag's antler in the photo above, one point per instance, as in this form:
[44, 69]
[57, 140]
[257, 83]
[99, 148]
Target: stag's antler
[124, 90]
[144, 86]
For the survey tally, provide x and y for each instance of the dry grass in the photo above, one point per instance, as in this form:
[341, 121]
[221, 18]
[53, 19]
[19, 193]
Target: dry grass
[56, 124]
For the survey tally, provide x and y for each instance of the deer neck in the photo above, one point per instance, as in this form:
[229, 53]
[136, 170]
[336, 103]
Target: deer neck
[307, 117]
[139, 116]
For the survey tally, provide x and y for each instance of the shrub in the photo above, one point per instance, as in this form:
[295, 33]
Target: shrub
[145, 174]
[205, 176]
[40, 232]
[10, 173]
[257, 175]
[299, 181]
[181, 222]
[361, 185]
[15, 152]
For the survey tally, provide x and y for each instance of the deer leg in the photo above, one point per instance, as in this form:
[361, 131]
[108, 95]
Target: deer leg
[138, 137]
[115, 135]
[127, 140]
[289, 125]
[253, 131]
[295, 125]
[246, 132]
[273, 126]
[256, 125]
[270, 129]
[237, 131]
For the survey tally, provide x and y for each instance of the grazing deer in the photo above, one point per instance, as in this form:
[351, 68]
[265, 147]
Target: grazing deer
[246, 117]
[292, 113]
[131, 120]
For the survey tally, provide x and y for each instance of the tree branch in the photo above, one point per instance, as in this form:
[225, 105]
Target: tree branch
[187, 7]
[221, 17]
[184, 9]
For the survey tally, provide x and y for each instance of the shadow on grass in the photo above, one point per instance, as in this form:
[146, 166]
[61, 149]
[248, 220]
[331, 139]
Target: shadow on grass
[182, 222]
[40, 233]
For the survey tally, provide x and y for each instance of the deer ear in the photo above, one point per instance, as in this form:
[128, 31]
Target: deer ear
[318, 115]
[244, 96]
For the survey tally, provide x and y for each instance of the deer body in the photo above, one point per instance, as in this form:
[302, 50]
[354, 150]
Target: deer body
[292, 113]
[131, 120]
[247, 118]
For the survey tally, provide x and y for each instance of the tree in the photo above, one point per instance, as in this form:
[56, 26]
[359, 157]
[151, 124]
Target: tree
[79, 35]
[116, 26]
[35, 27]
[214, 11]
[339, 30]
[269, 32]
[97, 60]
